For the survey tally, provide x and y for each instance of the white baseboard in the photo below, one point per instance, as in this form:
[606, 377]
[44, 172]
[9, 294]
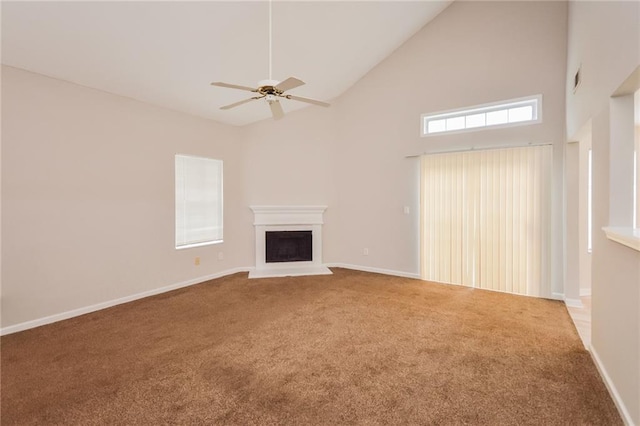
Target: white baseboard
[574, 303]
[375, 270]
[585, 292]
[557, 296]
[622, 409]
[87, 309]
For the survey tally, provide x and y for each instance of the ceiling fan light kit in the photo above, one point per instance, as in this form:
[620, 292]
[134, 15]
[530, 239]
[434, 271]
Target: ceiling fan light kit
[270, 89]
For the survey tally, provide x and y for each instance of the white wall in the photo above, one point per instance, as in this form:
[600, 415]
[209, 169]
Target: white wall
[604, 37]
[88, 197]
[603, 40]
[572, 226]
[472, 53]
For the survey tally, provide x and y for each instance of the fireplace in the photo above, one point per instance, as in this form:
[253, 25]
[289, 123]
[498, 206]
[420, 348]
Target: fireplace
[288, 241]
[288, 246]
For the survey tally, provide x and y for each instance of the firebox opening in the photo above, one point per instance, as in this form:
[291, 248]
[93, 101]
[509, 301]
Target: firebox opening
[288, 246]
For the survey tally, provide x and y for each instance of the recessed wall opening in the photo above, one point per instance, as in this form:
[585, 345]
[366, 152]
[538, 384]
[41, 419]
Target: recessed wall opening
[288, 246]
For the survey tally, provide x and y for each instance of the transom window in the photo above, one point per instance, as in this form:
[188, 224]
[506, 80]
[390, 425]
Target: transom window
[513, 112]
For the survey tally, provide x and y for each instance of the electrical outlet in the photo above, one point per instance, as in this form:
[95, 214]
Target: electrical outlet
[365, 252]
[220, 255]
[407, 210]
[196, 261]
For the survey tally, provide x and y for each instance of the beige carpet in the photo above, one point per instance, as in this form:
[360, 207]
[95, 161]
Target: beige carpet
[350, 348]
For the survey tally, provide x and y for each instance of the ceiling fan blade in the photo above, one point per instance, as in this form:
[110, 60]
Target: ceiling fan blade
[235, 104]
[233, 86]
[276, 110]
[307, 100]
[290, 83]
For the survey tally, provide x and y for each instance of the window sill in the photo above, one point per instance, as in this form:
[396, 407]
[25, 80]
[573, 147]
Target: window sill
[629, 237]
[206, 243]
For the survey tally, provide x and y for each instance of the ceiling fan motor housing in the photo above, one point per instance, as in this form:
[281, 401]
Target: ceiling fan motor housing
[267, 83]
[268, 87]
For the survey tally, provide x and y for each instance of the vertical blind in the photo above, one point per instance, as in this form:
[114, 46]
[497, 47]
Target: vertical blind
[198, 201]
[485, 219]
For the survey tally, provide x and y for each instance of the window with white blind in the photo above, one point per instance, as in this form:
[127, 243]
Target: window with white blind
[485, 219]
[198, 201]
[514, 112]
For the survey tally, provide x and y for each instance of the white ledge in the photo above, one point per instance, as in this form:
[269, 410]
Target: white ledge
[288, 215]
[629, 237]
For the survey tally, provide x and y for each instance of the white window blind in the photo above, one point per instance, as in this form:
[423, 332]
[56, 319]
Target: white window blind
[198, 201]
[485, 219]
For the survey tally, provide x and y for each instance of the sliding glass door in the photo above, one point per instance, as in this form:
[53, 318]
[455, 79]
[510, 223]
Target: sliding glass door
[485, 219]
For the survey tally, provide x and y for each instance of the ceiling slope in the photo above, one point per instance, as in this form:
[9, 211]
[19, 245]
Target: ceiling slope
[167, 53]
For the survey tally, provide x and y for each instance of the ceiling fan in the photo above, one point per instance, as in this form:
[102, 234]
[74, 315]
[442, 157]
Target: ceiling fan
[270, 90]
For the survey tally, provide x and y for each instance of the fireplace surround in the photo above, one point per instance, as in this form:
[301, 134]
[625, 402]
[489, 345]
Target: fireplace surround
[301, 220]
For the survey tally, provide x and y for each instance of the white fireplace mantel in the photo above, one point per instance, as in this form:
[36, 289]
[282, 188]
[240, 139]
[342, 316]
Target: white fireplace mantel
[288, 218]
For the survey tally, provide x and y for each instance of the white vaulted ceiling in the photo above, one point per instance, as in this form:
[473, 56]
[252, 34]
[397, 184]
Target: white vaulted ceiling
[167, 53]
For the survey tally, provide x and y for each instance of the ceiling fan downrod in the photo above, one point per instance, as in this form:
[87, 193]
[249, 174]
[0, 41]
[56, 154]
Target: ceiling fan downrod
[270, 90]
[270, 41]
